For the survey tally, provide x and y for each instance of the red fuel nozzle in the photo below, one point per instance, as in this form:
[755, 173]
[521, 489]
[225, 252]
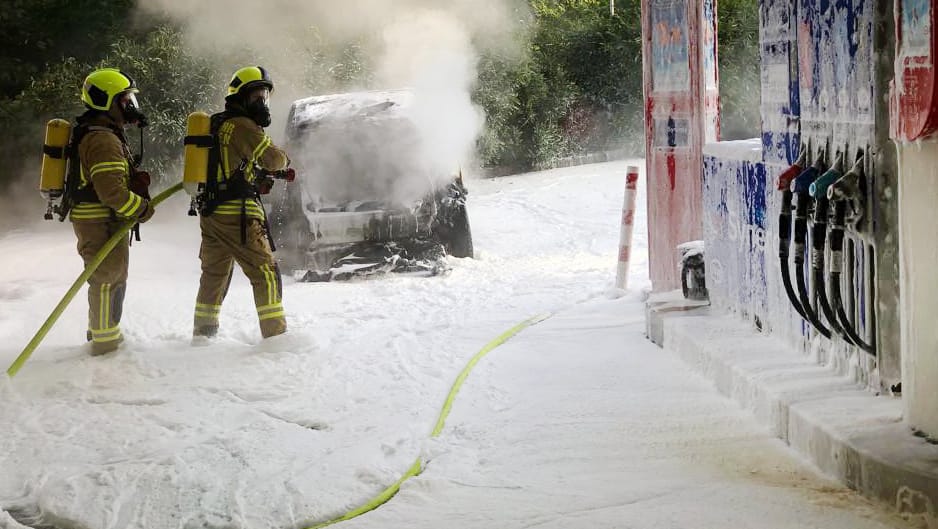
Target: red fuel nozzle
[784, 179]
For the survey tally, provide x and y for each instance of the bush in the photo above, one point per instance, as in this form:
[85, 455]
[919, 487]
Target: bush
[740, 84]
[579, 90]
[172, 84]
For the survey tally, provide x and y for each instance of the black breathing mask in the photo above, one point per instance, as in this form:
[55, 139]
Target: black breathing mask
[259, 111]
[130, 110]
[258, 106]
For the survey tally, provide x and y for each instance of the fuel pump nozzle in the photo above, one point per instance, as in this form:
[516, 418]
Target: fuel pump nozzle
[801, 188]
[784, 225]
[818, 191]
[838, 224]
[848, 189]
[843, 193]
[784, 179]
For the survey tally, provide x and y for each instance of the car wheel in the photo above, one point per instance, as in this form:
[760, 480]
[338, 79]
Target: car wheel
[456, 235]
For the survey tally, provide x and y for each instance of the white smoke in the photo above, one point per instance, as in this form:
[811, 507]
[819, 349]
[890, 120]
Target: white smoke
[430, 51]
[428, 46]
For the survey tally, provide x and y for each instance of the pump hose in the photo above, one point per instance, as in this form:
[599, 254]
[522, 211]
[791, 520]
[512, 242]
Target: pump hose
[784, 238]
[76, 286]
[818, 240]
[837, 252]
[827, 309]
[838, 305]
[801, 235]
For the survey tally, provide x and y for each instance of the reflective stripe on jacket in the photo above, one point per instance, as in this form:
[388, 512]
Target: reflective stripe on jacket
[105, 164]
[241, 140]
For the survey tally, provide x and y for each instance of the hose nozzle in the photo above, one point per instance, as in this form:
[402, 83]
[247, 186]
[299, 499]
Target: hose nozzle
[848, 186]
[818, 188]
[785, 179]
[802, 183]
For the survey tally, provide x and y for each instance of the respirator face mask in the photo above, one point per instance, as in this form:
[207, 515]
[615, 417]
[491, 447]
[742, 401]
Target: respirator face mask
[258, 106]
[130, 109]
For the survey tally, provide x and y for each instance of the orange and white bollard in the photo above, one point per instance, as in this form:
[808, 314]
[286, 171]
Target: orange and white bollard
[628, 221]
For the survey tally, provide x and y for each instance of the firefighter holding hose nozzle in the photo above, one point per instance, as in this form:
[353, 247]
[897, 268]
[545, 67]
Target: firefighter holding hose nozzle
[230, 163]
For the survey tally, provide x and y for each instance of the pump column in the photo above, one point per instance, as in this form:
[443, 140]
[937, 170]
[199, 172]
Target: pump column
[681, 114]
[913, 126]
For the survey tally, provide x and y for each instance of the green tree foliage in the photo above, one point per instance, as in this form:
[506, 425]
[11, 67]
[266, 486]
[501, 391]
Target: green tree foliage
[579, 88]
[740, 94]
[173, 83]
[34, 33]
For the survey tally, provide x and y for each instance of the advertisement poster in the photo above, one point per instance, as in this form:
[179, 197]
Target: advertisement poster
[670, 67]
[916, 27]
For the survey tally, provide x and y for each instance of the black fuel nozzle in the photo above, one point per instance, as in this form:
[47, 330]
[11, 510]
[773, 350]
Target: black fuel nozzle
[801, 188]
[818, 191]
[801, 185]
[848, 189]
[786, 185]
[838, 224]
[848, 186]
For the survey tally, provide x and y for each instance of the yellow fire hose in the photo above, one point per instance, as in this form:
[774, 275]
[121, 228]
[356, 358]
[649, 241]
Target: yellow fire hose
[76, 286]
[417, 467]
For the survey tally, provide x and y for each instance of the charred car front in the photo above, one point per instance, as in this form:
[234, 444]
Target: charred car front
[366, 201]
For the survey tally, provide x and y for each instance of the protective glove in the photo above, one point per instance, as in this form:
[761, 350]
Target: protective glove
[140, 183]
[146, 212]
[264, 184]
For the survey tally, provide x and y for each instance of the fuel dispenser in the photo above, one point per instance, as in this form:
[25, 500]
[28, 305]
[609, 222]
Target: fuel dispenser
[820, 302]
[913, 127]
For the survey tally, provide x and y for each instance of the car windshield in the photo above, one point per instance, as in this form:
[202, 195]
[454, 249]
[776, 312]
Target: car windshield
[357, 148]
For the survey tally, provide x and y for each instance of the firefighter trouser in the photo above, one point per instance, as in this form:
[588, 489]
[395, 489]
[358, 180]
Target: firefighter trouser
[221, 248]
[106, 285]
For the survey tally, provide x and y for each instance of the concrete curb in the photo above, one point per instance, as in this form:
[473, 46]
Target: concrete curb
[568, 161]
[849, 433]
[588, 158]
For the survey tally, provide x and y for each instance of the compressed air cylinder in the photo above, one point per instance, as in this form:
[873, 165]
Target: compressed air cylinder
[54, 159]
[197, 145]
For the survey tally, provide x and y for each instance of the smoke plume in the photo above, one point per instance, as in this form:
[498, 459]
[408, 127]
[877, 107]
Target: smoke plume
[427, 46]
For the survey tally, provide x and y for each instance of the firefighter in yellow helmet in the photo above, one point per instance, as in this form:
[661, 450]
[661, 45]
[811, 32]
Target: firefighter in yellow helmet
[107, 189]
[233, 222]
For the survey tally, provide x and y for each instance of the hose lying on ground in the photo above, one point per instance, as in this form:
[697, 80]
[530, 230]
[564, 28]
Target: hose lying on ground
[417, 467]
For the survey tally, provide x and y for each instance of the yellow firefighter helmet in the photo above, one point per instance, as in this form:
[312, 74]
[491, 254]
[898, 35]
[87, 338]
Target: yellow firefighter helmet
[102, 86]
[247, 78]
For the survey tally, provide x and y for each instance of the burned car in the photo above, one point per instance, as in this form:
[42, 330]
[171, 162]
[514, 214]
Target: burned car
[366, 201]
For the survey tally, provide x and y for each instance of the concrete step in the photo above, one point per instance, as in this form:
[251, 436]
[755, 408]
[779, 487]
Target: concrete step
[850, 433]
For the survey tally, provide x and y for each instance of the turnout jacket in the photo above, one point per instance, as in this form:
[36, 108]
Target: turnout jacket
[106, 165]
[243, 144]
